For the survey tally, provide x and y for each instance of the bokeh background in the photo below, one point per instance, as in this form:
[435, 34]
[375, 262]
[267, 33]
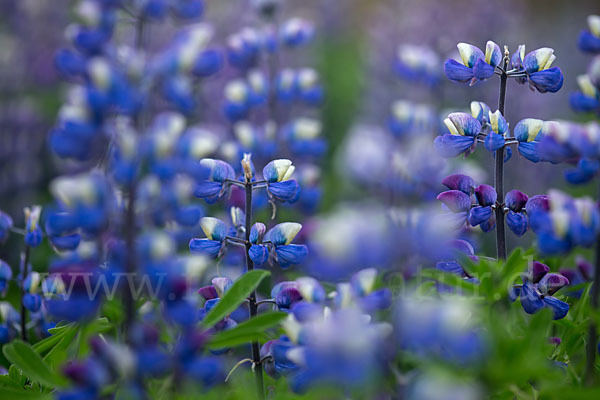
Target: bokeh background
[356, 44]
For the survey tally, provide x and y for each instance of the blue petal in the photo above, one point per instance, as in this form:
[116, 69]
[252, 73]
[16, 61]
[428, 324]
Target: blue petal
[207, 189]
[291, 254]
[581, 102]
[588, 42]
[206, 246]
[507, 154]
[493, 141]
[517, 222]
[458, 72]
[378, 300]
[550, 244]
[208, 63]
[32, 302]
[479, 215]
[578, 176]
[483, 70]
[453, 145]
[285, 190]
[559, 308]
[514, 292]
[189, 215]
[259, 254]
[529, 151]
[452, 267]
[548, 80]
[530, 299]
[455, 200]
[68, 242]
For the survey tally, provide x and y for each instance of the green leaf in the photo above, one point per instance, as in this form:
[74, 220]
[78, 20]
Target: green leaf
[48, 343]
[449, 279]
[20, 394]
[58, 354]
[25, 358]
[248, 331]
[236, 294]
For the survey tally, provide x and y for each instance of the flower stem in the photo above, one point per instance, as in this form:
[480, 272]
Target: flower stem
[499, 173]
[23, 292]
[258, 371]
[593, 330]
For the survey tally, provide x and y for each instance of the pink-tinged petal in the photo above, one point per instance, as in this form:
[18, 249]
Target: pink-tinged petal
[461, 182]
[537, 271]
[516, 200]
[452, 145]
[455, 200]
[486, 195]
[540, 202]
[551, 283]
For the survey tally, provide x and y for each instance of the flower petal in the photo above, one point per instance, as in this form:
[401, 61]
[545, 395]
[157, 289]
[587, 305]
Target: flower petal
[479, 215]
[277, 170]
[548, 80]
[480, 111]
[291, 254]
[559, 308]
[461, 182]
[457, 72]
[455, 200]
[483, 70]
[551, 283]
[486, 195]
[463, 124]
[213, 228]
[528, 129]
[517, 222]
[286, 191]
[282, 234]
[469, 54]
[205, 246]
[516, 200]
[493, 141]
[452, 145]
[530, 299]
[259, 254]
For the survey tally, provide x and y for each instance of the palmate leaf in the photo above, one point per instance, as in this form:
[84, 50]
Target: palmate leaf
[248, 331]
[22, 355]
[9, 393]
[235, 295]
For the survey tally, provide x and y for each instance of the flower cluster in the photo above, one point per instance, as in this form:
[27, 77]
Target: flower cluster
[476, 204]
[534, 67]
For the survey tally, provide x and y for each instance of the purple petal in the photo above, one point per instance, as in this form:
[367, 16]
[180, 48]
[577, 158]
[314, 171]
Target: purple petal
[548, 80]
[551, 283]
[517, 222]
[537, 271]
[516, 200]
[461, 182]
[457, 72]
[483, 70]
[540, 202]
[486, 195]
[453, 145]
[493, 141]
[455, 200]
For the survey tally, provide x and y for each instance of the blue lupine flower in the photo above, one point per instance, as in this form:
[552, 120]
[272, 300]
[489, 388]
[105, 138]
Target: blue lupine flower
[286, 85]
[33, 232]
[296, 32]
[308, 87]
[417, 63]
[485, 68]
[462, 138]
[589, 40]
[310, 289]
[476, 66]
[281, 237]
[445, 329]
[243, 48]
[237, 100]
[31, 299]
[538, 287]
[483, 214]
[209, 62]
[214, 187]
[537, 66]
[280, 187]
[564, 222]
[368, 297]
[588, 97]
[216, 231]
[458, 199]
[408, 119]
[304, 137]
[495, 138]
[286, 295]
[76, 303]
[5, 277]
[449, 262]
[529, 132]
[258, 252]
[6, 224]
[516, 219]
[276, 362]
